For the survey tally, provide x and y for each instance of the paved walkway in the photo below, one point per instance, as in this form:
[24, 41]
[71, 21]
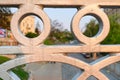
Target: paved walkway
[51, 71]
[48, 71]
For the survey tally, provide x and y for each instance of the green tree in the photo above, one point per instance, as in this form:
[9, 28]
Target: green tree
[91, 28]
[58, 35]
[113, 36]
[5, 16]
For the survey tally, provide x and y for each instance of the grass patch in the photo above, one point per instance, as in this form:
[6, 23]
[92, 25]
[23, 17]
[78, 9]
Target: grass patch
[19, 71]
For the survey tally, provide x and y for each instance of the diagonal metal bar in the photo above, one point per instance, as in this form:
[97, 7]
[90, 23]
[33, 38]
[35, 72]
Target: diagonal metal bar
[5, 76]
[84, 76]
[92, 71]
[107, 61]
[89, 69]
[43, 57]
[55, 53]
[95, 67]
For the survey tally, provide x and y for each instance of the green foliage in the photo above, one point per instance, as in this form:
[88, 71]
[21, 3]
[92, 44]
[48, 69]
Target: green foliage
[59, 37]
[3, 59]
[23, 75]
[113, 37]
[91, 28]
[5, 16]
[31, 35]
[19, 71]
[48, 42]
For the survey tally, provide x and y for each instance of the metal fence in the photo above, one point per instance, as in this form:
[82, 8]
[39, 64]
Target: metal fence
[34, 50]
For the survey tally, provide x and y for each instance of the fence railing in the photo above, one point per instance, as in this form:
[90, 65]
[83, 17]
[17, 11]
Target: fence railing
[34, 50]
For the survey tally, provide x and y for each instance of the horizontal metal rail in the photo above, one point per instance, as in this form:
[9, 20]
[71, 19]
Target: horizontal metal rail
[59, 49]
[64, 3]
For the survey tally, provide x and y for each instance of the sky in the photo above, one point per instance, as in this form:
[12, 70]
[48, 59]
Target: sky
[63, 16]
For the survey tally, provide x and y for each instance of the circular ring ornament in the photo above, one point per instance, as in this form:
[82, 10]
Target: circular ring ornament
[23, 12]
[103, 20]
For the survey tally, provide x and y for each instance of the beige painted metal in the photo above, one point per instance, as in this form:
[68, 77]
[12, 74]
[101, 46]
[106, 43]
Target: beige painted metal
[25, 10]
[62, 2]
[35, 51]
[102, 18]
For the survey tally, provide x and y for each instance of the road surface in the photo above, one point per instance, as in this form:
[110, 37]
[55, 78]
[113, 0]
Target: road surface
[56, 71]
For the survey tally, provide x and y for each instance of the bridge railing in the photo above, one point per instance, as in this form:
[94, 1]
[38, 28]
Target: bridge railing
[34, 50]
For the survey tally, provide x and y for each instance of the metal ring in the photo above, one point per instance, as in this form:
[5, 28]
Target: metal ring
[102, 18]
[26, 10]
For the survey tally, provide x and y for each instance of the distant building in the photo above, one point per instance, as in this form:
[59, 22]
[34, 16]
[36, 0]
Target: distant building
[7, 38]
[112, 11]
[27, 24]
